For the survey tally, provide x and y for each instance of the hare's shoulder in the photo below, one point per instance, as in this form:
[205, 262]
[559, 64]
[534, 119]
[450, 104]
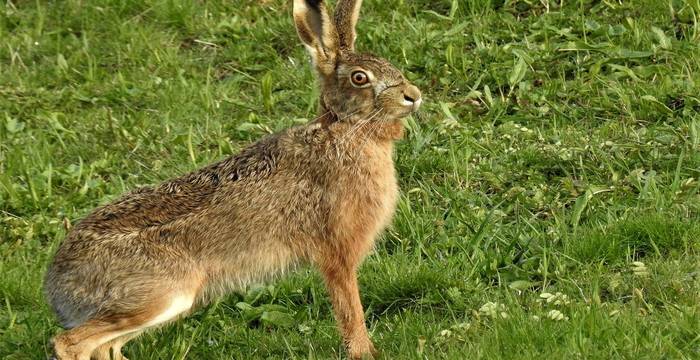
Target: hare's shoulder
[173, 199]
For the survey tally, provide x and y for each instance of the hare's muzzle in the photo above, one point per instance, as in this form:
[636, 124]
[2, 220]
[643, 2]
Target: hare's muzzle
[412, 97]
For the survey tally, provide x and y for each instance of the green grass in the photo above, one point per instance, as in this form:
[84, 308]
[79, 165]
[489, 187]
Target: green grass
[557, 146]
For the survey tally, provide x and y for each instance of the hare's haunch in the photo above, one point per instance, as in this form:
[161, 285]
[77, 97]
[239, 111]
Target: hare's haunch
[318, 193]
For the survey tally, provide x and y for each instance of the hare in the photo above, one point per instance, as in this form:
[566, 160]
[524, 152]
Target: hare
[318, 193]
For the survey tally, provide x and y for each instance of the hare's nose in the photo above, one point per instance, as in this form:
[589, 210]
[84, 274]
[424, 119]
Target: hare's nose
[412, 96]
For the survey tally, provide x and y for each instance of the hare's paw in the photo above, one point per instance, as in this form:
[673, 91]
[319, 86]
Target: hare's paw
[362, 349]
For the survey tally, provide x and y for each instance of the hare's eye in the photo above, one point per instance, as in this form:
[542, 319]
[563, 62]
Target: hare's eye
[359, 78]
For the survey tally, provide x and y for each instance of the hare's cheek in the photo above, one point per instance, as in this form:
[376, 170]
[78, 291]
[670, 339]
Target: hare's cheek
[389, 99]
[362, 98]
[379, 88]
[369, 97]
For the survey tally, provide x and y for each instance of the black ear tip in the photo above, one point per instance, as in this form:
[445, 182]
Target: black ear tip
[314, 3]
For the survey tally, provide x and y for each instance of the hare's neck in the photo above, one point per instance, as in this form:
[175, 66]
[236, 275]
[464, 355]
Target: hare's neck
[392, 130]
[378, 131]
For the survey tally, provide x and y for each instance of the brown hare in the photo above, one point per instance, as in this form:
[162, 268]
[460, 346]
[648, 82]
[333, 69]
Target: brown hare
[319, 193]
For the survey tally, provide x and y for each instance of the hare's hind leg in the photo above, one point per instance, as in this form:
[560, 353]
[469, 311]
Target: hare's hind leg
[112, 350]
[89, 338]
[80, 342]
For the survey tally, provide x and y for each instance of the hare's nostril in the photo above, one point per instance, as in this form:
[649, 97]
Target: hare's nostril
[408, 98]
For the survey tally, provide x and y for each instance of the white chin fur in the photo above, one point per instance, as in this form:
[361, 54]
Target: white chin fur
[416, 105]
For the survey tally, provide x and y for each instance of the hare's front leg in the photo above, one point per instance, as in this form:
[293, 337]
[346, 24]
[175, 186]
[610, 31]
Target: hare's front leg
[340, 276]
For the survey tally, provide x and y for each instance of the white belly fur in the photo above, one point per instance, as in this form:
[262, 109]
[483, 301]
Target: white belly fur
[178, 305]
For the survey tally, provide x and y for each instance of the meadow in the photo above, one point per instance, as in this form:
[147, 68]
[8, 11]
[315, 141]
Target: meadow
[550, 203]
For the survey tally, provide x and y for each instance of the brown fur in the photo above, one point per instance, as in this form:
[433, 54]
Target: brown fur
[318, 193]
[346, 15]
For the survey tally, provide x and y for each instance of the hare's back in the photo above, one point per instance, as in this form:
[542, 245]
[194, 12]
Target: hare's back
[126, 249]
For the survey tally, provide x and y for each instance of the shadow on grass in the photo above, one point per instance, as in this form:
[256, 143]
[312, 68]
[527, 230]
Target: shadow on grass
[635, 236]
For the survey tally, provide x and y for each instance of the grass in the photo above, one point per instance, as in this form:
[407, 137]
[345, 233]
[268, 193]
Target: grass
[558, 153]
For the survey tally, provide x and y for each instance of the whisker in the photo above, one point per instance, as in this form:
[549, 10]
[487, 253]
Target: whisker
[354, 129]
[359, 125]
[320, 116]
[373, 127]
[362, 125]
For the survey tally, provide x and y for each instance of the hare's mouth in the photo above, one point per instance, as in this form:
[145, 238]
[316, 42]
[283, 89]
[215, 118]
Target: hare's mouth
[407, 99]
[409, 106]
[412, 105]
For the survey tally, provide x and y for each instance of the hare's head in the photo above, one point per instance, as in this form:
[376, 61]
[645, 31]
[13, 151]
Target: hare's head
[353, 86]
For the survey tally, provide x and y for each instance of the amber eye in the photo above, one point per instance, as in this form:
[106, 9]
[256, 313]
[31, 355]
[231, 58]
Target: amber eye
[359, 78]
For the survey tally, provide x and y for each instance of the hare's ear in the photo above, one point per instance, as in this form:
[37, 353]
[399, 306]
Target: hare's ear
[346, 14]
[317, 32]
